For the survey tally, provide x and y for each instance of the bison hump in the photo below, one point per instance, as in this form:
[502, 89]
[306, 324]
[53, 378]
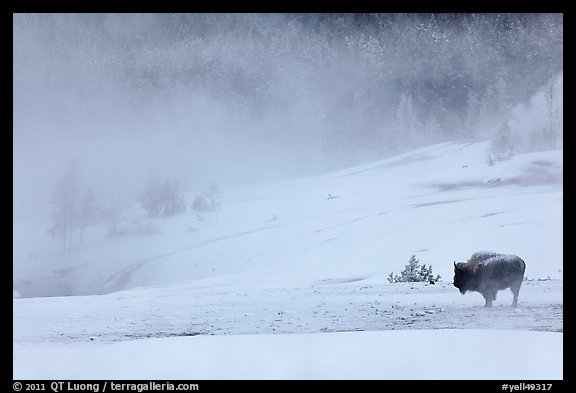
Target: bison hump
[499, 262]
[482, 256]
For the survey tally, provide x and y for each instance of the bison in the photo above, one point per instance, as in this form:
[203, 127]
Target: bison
[488, 272]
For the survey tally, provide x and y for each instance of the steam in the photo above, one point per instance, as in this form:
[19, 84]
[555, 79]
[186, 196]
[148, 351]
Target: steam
[251, 97]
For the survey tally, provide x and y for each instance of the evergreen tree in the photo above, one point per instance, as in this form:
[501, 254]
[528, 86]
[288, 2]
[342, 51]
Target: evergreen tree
[551, 132]
[407, 123]
[213, 195]
[501, 145]
[472, 115]
[209, 200]
[413, 272]
[162, 199]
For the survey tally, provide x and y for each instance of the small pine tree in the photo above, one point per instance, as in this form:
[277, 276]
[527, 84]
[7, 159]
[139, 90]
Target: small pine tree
[173, 202]
[413, 272]
[213, 195]
[208, 201]
[200, 204]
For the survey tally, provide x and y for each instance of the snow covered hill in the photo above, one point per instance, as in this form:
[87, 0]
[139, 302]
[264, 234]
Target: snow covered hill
[310, 258]
[441, 203]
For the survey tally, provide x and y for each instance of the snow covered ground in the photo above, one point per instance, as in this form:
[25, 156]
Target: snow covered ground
[284, 282]
[402, 354]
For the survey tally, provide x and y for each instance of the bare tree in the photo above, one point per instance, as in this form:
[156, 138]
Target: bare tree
[87, 213]
[65, 205]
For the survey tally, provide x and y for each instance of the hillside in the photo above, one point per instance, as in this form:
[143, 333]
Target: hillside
[441, 203]
[282, 274]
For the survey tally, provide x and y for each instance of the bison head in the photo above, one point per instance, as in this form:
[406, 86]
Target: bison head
[460, 277]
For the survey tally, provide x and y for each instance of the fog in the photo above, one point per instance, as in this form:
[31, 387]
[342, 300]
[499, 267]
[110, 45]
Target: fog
[246, 98]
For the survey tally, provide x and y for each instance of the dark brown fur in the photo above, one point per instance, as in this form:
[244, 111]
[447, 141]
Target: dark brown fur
[487, 273]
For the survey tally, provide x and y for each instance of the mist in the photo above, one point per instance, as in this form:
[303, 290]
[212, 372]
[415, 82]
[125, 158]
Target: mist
[246, 98]
[259, 179]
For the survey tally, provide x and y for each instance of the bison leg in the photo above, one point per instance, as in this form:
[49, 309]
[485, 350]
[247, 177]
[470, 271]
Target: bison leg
[489, 297]
[515, 288]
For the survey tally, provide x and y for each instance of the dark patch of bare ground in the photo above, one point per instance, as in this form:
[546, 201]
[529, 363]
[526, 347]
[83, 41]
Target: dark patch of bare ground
[536, 173]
